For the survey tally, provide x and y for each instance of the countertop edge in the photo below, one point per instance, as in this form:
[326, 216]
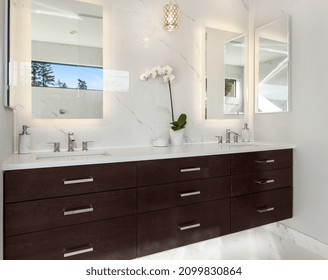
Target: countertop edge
[141, 153]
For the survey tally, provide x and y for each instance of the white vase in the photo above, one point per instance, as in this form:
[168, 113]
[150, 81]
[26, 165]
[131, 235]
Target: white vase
[176, 137]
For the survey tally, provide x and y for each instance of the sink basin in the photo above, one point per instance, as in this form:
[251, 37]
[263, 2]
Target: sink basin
[72, 155]
[240, 145]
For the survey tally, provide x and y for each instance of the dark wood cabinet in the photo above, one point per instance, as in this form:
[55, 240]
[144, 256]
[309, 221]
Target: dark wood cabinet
[182, 201]
[182, 193]
[261, 181]
[78, 212]
[108, 239]
[31, 184]
[182, 169]
[174, 227]
[261, 208]
[261, 187]
[261, 161]
[128, 210]
[60, 212]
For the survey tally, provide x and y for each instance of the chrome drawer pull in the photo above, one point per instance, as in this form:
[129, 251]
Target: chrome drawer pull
[78, 252]
[182, 228]
[78, 181]
[189, 194]
[78, 211]
[265, 161]
[190, 170]
[264, 182]
[264, 210]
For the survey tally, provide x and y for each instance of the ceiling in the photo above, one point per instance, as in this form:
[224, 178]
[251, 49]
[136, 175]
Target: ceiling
[67, 22]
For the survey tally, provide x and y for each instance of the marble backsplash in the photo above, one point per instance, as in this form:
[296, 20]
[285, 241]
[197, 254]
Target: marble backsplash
[136, 112]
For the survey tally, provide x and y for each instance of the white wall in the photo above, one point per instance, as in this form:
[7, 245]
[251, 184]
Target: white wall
[6, 123]
[306, 124]
[135, 40]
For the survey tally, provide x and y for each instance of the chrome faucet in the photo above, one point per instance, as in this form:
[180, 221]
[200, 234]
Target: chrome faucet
[228, 135]
[71, 142]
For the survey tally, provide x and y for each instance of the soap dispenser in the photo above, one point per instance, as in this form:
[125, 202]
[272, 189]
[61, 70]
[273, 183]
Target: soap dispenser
[245, 134]
[24, 143]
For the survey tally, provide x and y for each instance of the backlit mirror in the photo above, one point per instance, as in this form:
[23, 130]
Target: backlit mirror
[5, 88]
[224, 73]
[272, 67]
[60, 53]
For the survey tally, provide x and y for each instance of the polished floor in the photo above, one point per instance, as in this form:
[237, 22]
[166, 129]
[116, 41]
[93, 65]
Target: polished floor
[254, 244]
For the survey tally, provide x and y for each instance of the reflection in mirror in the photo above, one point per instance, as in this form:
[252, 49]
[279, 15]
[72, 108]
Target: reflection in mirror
[224, 73]
[66, 76]
[272, 67]
[6, 101]
[234, 76]
[56, 58]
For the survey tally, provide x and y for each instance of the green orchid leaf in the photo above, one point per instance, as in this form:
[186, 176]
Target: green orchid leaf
[180, 123]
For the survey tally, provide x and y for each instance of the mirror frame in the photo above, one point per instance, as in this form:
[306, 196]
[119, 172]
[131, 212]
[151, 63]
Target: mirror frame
[6, 55]
[256, 74]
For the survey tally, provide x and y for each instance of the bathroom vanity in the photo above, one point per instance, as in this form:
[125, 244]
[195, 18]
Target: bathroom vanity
[137, 201]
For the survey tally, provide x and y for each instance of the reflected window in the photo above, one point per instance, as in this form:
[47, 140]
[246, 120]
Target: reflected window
[272, 67]
[66, 76]
[273, 76]
[230, 88]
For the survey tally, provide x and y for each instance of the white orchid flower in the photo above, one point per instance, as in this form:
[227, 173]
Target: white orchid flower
[167, 73]
[166, 78]
[168, 69]
[153, 73]
[160, 70]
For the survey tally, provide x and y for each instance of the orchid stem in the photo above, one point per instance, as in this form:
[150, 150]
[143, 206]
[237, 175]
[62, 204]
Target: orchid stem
[171, 101]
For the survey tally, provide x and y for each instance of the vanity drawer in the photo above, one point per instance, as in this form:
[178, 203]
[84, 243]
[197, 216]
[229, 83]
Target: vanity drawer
[261, 181]
[178, 194]
[24, 217]
[30, 184]
[261, 161]
[182, 169]
[108, 239]
[261, 208]
[170, 228]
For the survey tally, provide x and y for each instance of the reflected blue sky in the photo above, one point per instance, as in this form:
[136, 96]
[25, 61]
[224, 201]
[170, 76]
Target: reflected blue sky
[70, 74]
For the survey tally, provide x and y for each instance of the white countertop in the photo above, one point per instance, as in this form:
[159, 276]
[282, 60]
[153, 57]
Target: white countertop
[128, 154]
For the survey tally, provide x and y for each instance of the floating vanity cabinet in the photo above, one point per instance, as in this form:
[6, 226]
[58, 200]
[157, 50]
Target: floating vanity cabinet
[182, 201]
[132, 209]
[261, 186]
[78, 212]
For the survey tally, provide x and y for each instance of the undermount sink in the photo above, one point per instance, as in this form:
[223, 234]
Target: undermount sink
[240, 145]
[72, 155]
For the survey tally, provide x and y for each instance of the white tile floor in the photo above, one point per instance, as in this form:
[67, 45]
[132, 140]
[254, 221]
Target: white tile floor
[253, 244]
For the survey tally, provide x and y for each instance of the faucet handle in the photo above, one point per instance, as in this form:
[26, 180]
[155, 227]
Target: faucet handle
[85, 145]
[220, 139]
[56, 146]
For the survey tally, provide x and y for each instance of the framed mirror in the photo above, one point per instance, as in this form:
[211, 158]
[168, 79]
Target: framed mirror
[272, 67]
[5, 88]
[224, 73]
[56, 60]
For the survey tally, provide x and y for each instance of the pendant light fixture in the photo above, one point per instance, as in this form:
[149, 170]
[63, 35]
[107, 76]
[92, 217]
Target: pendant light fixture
[171, 16]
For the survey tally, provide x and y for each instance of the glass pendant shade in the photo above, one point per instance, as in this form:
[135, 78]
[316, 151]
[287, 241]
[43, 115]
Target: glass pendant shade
[171, 17]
